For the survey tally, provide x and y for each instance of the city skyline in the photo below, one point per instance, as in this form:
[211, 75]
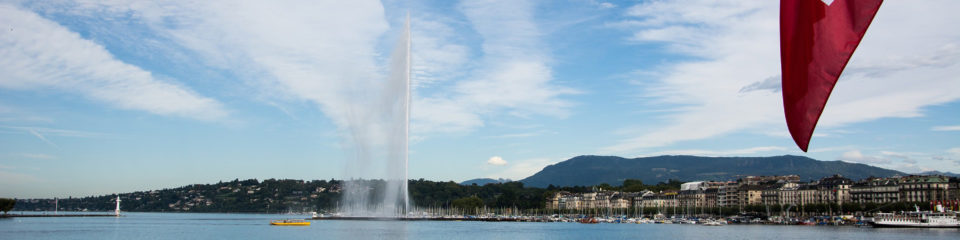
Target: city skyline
[121, 96]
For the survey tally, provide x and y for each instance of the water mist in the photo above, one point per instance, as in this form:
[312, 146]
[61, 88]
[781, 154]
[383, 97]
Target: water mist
[378, 133]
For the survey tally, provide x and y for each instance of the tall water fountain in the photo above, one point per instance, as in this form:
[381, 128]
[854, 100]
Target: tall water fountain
[379, 135]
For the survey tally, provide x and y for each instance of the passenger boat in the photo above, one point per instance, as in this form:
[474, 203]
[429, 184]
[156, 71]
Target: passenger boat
[918, 219]
[290, 222]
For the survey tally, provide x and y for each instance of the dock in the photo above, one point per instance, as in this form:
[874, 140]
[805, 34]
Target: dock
[57, 215]
[473, 219]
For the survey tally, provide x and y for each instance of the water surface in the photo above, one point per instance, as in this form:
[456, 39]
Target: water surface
[256, 226]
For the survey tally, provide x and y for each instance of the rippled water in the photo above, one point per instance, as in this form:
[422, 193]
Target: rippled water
[256, 226]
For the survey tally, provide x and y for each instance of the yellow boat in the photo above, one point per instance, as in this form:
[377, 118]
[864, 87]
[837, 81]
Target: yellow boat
[290, 222]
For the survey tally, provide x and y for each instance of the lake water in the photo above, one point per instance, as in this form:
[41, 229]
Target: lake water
[256, 226]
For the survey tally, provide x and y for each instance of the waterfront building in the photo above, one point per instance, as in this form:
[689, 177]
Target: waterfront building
[834, 189]
[751, 195]
[565, 200]
[623, 199]
[924, 188]
[759, 180]
[771, 190]
[727, 195]
[666, 199]
[770, 195]
[875, 190]
[788, 195]
[808, 194]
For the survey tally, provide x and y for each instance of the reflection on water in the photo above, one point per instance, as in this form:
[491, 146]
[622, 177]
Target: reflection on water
[256, 226]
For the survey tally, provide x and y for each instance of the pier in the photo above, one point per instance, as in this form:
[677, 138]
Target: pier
[474, 219]
[57, 215]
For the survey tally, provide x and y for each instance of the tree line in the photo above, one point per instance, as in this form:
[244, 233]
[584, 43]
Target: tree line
[286, 195]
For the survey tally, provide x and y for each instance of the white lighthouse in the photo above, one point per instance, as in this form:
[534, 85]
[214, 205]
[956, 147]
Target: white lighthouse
[117, 211]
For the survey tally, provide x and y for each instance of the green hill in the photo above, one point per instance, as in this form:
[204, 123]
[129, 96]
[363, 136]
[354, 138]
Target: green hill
[592, 170]
[484, 181]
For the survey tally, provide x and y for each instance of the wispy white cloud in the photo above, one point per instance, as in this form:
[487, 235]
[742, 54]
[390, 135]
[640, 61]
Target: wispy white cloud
[42, 134]
[497, 161]
[323, 52]
[524, 134]
[37, 134]
[10, 115]
[521, 169]
[59, 132]
[39, 156]
[946, 128]
[512, 76]
[905, 157]
[733, 152]
[955, 151]
[954, 154]
[606, 5]
[734, 51]
[438, 54]
[15, 180]
[10, 179]
[909, 162]
[293, 53]
[858, 157]
[40, 54]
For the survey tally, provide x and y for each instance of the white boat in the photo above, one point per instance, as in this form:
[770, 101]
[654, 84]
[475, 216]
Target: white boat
[918, 219]
[712, 223]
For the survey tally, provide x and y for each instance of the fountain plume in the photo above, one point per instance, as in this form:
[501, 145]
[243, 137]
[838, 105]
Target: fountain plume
[388, 117]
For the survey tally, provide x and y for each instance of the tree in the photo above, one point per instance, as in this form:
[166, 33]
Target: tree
[7, 204]
[633, 185]
[468, 203]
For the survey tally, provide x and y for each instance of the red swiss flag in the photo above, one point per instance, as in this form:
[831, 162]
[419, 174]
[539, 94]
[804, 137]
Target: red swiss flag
[817, 38]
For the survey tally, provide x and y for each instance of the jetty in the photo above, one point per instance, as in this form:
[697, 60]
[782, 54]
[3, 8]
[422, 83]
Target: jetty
[59, 215]
[435, 218]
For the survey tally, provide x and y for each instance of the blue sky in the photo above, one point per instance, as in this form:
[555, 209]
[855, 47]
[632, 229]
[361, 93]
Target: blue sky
[100, 97]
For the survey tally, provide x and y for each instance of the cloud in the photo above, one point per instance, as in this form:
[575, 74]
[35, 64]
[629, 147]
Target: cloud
[40, 54]
[42, 133]
[323, 52]
[438, 55]
[904, 157]
[909, 162]
[954, 154]
[40, 156]
[857, 157]
[954, 151]
[329, 53]
[946, 128]
[512, 76]
[15, 180]
[37, 134]
[521, 169]
[496, 160]
[733, 152]
[770, 84]
[326, 53]
[59, 132]
[524, 134]
[731, 50]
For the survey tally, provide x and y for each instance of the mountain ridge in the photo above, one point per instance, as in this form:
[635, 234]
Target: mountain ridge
[589, 170]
